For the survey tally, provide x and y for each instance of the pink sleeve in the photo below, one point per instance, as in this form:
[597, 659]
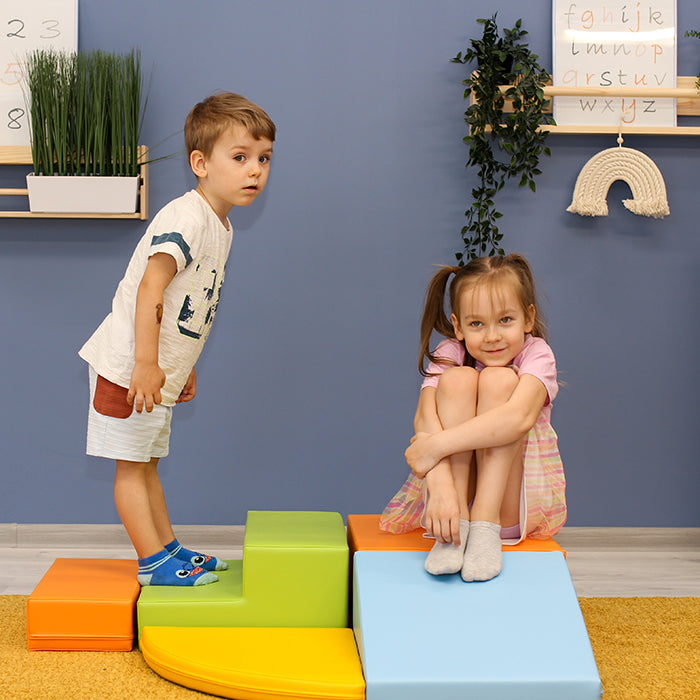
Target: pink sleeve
[537, 359]
[451, 350]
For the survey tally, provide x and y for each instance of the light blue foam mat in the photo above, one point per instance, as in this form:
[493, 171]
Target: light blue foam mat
[520, 636]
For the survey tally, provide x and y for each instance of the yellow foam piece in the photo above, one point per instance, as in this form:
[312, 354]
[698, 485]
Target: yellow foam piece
[258, 663]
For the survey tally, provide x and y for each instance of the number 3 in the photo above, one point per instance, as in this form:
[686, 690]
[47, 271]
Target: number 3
[51, 26]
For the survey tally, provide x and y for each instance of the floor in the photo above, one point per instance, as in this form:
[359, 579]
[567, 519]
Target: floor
[602, 561]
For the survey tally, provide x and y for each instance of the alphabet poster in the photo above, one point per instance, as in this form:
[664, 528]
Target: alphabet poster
[25, 26]
[615, 43]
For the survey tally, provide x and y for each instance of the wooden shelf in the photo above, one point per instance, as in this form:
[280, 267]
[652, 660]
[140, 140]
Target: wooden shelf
[686, 96]
[22, 155]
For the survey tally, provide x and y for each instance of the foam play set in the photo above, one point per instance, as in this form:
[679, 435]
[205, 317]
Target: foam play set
[276, 623]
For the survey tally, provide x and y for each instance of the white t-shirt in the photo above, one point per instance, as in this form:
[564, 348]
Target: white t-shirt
[188, 229]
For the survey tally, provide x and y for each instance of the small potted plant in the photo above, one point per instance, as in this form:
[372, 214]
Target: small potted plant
[502, 144]
[86, 111]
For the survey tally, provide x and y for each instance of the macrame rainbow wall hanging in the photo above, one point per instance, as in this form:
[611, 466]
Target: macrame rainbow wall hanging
[633, 167]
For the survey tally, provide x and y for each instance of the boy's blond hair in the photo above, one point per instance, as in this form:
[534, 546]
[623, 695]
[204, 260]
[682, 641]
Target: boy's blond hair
[213, 116]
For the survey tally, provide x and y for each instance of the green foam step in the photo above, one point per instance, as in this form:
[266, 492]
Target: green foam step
[294, 573]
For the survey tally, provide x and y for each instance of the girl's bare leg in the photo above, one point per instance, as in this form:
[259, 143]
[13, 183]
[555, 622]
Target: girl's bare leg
[441, 516]
[456, 404]
[447, 509]
[499, 469]
[495, 465]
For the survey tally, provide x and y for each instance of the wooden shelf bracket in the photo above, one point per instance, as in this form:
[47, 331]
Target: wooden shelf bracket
[22, 155]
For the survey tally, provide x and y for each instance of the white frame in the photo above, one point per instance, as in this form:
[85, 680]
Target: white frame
[614, 44]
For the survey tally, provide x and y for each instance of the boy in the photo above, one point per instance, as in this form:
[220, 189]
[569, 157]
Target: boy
[143, 354]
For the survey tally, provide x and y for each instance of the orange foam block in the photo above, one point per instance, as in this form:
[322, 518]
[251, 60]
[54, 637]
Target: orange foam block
[84, 605]
[364, 535]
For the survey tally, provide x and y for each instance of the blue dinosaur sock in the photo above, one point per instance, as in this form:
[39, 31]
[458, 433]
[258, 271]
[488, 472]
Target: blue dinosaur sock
[160, 569]
[203, 560]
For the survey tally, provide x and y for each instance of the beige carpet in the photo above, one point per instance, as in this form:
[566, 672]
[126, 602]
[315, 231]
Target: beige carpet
[645, 648]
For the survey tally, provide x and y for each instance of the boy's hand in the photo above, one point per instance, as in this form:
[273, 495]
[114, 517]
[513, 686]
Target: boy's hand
[419, 455]
[189, 390]
[146, 383]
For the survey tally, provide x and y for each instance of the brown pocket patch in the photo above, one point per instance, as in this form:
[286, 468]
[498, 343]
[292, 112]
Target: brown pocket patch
[110, 399]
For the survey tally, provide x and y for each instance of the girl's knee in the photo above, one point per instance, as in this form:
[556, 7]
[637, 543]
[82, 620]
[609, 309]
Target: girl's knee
[497, 382]
[458, 381]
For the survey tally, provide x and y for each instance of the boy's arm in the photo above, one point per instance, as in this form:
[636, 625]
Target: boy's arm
[147, 377]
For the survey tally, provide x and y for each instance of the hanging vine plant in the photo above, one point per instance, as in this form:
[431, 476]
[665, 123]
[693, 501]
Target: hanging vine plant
[696, 34]
[502, 145]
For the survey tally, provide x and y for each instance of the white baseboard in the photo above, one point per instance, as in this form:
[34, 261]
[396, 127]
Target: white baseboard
[91, 536]
[676, 539]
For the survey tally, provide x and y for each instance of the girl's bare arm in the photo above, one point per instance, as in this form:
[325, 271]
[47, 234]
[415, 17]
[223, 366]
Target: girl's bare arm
[499, 426]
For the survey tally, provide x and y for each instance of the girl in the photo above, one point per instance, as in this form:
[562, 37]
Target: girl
[485, 461]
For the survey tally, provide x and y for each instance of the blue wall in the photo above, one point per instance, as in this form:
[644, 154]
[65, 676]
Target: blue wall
[308, 385]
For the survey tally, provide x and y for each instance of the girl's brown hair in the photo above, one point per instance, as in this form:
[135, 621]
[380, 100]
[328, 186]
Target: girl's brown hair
[488, 271]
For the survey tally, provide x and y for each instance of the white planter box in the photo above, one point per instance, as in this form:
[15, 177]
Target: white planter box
[82, 194]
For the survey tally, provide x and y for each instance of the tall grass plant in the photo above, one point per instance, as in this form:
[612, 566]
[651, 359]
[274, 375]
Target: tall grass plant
[86, 111]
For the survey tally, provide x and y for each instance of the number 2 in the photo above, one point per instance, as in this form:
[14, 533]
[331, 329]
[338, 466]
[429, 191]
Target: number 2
[21, 27]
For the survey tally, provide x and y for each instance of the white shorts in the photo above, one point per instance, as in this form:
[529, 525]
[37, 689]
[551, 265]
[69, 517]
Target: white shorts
[138, 438]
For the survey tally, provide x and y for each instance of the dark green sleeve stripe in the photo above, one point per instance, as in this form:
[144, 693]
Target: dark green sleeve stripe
[178, 240]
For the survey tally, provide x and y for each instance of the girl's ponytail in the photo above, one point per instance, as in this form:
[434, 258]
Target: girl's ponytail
[434, 317]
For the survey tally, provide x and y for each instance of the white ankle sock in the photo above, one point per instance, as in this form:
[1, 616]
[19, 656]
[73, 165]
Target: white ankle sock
[445, 557]
[483, 559]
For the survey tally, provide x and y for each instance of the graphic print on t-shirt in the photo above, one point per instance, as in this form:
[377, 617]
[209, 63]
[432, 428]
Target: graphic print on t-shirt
[199, 307]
